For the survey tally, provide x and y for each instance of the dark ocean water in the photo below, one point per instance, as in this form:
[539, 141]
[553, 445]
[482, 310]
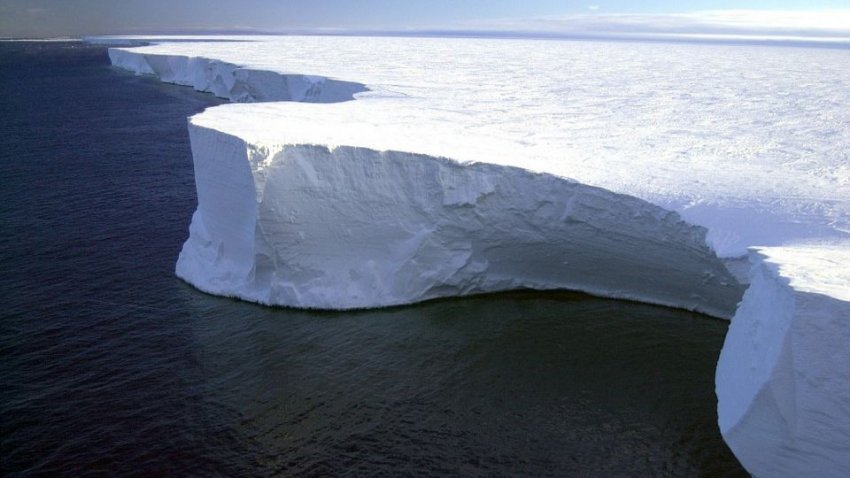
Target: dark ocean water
[111, 365]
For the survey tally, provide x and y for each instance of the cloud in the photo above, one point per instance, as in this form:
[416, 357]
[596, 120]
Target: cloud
[35, 11]
[821, 23]
[778, 20]
[593, 8]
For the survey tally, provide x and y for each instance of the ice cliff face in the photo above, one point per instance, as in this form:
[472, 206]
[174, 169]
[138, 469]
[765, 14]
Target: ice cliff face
[783, 379]
[286, 217]
[348, 227]
[748, 142]
[229, 81]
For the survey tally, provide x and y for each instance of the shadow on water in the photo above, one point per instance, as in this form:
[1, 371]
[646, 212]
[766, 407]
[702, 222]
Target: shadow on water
[528, 382]
[109, 363]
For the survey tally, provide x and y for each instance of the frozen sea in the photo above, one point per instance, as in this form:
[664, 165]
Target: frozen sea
[112, 365]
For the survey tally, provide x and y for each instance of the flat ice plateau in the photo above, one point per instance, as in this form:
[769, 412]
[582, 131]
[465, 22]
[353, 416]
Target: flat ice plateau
[440, 169]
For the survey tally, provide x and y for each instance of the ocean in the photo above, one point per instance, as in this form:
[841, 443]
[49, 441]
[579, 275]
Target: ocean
[111, 365]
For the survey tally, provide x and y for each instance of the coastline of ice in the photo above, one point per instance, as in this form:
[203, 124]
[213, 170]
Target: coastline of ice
[227, 80]
[312, 226]
[749, 154]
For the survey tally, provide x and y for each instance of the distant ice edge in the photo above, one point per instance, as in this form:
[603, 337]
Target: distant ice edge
[237, 84]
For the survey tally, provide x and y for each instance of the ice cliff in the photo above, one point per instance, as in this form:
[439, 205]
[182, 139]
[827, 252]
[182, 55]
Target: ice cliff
[231, 82]
[783, 379]
[292, 211]
[344, 227]
[358, 205]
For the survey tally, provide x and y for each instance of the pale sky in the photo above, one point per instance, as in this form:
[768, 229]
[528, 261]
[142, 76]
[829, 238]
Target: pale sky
[52, 18]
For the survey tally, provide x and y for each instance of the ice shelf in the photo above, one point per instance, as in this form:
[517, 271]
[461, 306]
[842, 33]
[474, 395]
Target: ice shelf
[340, 227]
[448, 176]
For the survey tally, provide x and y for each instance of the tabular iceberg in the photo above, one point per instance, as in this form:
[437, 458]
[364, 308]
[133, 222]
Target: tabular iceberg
[356, 204]
[286, 217]
[349, 227]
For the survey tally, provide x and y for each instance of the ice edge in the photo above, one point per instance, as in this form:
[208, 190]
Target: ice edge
[646, 274]
[235, 83]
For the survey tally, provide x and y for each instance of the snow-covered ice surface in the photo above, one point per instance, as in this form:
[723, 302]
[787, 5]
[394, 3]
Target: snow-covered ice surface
[750, 142]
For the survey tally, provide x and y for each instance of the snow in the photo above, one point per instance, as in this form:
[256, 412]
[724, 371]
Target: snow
[446, 176]
[783, 382]
[710, 131]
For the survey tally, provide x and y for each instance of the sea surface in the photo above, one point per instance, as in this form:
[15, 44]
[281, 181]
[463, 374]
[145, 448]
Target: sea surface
[110, 365]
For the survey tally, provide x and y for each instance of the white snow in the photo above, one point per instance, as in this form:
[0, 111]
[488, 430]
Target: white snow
[722, 134]
[355, 204]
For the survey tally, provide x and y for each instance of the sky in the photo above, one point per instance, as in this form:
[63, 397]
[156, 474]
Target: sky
[56, 18]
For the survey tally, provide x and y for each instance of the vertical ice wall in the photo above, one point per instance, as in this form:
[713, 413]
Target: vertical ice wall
[347, 227]
[783, 379]
[229, 81]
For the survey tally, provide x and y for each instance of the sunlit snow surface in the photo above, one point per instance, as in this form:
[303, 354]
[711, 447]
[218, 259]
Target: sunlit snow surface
[750, 141]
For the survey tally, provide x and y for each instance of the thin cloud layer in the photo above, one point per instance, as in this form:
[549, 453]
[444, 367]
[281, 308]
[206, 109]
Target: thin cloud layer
[815, 24]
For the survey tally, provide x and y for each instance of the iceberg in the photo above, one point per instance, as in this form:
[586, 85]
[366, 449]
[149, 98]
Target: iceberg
[728, 139]
[783, 381]
[307, 225]
[447, 175]
[347, 207]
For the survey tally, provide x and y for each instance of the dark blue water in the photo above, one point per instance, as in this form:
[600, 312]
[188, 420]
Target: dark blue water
[111, 365]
